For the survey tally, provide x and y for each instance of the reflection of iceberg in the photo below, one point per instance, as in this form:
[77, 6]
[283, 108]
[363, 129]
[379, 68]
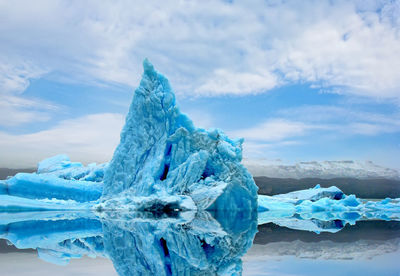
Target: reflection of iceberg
[188, 243]
[365, 240]
[161, 155]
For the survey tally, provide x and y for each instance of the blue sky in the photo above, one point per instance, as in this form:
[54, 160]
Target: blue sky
[299, 80]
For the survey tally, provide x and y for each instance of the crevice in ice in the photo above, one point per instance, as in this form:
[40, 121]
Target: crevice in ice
[164, 247]
[338, 223]
[165, 172]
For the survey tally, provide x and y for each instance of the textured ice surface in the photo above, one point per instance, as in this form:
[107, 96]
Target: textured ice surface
[161, 153]
[61, 167]
[55, 163]
[37, 186]
[322, 209]
[13, 204]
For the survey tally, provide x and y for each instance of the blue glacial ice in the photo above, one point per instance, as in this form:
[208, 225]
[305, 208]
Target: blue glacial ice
[162, 154]
[323, 209]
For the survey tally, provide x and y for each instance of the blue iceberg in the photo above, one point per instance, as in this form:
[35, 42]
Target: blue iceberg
[323, 209]
[163, 162]
[162, 154]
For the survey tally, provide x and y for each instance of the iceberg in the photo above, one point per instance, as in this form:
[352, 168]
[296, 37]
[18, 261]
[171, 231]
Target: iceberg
[161, 154]
[163, 163]
[323, 209]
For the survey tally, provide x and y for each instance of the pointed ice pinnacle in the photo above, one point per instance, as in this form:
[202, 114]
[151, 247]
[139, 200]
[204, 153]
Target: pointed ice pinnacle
[163, 155]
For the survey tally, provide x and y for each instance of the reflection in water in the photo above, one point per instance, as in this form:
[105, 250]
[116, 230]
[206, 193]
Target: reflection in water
[195, 243]
[187, 243]
[365, 240]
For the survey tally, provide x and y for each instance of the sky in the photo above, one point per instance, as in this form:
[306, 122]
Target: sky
[299, 80]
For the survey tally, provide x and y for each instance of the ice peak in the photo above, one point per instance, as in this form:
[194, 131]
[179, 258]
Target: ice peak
[162, 154]
[148, 68]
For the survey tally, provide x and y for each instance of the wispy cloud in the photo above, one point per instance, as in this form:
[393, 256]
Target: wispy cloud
[345, 120]
[15, 110]
[274, 130]
[298, 126]
[211, 47]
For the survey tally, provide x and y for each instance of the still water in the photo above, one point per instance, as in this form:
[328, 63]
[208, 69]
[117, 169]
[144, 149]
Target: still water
[49, 243]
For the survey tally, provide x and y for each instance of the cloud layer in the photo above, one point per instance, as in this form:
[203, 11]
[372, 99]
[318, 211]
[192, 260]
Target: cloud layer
[91, 138]
[206, 47]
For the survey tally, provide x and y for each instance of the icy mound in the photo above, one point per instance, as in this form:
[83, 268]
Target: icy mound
[161, 154]
[59, 184]
[62, 167]
[323, 204]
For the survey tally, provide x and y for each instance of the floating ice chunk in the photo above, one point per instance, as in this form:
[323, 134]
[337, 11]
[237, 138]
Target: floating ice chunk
[325, 204]
[62, 167]
[92, 172]
[38, 186]
[313, 194]
[13, 204]
[161, 153]
[55, 163]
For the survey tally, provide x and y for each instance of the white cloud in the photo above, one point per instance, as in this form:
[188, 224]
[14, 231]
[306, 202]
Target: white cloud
[294, 126]
[16, 110]
[210, 47]
[226, 82]
[345, 120]
[274, 130]
[91, 138]
[15, 75]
